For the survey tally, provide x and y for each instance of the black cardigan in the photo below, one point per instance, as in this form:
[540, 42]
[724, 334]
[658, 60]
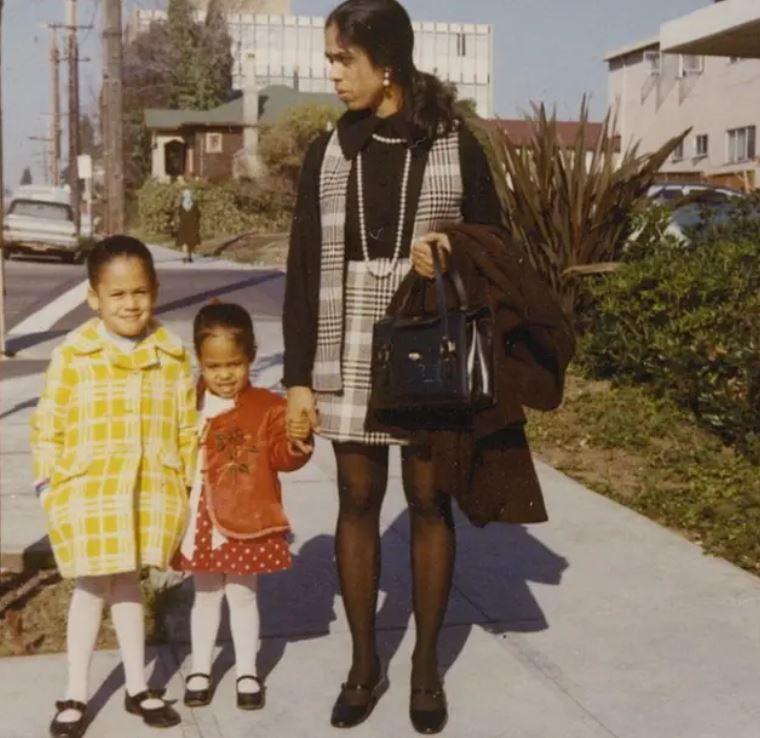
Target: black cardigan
[383, 169]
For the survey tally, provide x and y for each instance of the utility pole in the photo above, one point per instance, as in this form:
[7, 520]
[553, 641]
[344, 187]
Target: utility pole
[73, 58]
[111, 119]
[55, 61]
[2, 201]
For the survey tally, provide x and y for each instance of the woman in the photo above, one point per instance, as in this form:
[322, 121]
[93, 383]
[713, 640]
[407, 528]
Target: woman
[397, 166]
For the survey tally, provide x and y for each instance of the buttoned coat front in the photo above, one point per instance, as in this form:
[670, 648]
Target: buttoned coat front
[115, 433]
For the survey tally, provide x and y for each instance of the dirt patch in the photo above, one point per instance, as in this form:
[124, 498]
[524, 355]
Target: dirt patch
[263, 249]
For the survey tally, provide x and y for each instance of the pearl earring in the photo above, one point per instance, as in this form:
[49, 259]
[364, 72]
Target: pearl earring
[387, 82]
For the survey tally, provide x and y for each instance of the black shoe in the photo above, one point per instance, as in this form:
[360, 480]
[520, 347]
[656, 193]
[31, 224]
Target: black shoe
[198, 697]
[73, 729]
[157, 717]
[346, 715]
[250, 700]
[433, 720]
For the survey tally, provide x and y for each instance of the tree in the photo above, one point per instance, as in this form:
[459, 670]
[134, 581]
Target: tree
[200, 56]
[182, 39]
[216, 52]
[283, 145]
[146, 84]
[26, 177]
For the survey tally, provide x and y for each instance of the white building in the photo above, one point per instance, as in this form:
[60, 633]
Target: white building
[697, 73]
[289, 49]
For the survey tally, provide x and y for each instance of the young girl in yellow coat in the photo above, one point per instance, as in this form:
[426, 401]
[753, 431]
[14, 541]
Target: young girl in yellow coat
[114, 442]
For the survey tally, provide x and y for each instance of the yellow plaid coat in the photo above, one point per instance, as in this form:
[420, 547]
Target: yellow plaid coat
[116, 435]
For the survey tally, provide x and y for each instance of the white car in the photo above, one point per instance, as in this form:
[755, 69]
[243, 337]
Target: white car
[39, 220]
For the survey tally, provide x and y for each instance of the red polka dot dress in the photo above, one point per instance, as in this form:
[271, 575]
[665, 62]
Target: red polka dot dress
[263, 555]
[212, 552]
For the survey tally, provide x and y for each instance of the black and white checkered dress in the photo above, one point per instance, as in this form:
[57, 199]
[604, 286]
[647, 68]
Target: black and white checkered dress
[352, 299]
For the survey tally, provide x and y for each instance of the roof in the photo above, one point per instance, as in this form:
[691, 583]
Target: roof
[274, 102]
[521, 131]
[632, 48]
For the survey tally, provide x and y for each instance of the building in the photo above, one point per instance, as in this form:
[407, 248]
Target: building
[701, 71]
[289, 49]
[219, 144]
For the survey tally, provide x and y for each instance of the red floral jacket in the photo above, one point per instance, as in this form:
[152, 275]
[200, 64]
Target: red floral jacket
[244, 449]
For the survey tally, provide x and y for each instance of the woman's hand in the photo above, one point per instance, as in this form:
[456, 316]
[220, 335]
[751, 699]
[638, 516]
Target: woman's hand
[301, 418]
[422, 256]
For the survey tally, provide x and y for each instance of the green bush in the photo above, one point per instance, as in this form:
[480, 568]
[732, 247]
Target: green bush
[226, 209]
[687, 322]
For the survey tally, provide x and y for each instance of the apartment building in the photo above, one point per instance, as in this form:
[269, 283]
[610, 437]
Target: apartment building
[702, 72]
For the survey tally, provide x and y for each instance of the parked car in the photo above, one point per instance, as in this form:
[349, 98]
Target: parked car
[690, 204]
[39, 220]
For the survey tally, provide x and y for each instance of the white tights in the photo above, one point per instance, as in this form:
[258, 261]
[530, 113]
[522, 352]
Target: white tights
[244, 624]
[122, 592]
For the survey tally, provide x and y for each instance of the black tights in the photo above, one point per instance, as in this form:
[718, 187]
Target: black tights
[362, 478]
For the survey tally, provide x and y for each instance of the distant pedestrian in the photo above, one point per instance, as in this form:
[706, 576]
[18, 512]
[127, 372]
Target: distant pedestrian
[189, 225]
[114, 442]
[238, 526]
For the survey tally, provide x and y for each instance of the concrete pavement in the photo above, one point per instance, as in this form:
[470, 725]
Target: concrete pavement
[599, 623]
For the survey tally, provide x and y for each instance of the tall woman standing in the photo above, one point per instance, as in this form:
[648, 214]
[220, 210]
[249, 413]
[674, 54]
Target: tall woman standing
[372, 195]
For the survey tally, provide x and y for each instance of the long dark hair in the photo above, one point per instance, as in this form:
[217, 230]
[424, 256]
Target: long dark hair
[382, 28]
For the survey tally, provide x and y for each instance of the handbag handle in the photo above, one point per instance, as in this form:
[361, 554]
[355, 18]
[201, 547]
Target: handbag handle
[440, 294]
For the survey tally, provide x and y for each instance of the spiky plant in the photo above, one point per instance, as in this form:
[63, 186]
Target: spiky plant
[571, 211]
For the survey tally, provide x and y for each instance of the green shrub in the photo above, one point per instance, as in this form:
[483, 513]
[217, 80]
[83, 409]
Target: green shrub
[687, 322]
[226, 209]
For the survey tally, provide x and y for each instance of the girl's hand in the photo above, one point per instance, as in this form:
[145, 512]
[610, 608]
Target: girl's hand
[300, 448]
[422, 256]
[301, 414]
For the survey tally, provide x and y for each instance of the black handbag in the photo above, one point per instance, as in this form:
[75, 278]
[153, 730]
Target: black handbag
[433, 370]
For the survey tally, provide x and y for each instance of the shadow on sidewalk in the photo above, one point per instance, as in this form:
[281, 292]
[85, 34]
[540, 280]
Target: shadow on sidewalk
[494, 567]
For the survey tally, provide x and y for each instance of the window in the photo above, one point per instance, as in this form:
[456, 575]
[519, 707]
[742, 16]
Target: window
[652, 60]
[41, 210]
[461, 44]
[213, 143]
[741, 144]
[691, 64]
[702, 145]
[678, 152]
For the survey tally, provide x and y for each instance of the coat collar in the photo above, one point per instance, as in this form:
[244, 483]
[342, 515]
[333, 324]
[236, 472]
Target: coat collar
[355, 130]
[89, 339]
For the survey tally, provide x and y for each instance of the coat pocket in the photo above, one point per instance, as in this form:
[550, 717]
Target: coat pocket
[70, 465]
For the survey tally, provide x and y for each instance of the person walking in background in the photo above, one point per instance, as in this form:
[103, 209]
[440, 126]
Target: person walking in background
[114, 444]
[188, 225]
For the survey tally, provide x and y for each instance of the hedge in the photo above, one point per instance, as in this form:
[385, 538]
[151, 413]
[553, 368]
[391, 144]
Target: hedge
[226, 209]
[687, 322]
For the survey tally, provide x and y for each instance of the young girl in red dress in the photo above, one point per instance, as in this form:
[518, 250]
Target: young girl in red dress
[237, 526]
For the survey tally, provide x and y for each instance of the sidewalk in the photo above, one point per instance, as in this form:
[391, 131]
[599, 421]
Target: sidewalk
[597, 624]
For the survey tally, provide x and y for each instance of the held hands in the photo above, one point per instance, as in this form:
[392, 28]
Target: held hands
[422, 256]
[301, 419]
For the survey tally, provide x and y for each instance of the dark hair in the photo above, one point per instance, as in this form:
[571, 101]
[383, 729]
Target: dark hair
[114, 247]
[383, 29]
[229, 317]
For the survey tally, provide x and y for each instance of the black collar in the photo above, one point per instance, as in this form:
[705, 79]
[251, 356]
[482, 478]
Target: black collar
[355, 130]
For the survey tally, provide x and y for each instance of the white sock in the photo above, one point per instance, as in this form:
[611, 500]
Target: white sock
[85, 613]
[245, 626]
[129, 624]
[204, 624]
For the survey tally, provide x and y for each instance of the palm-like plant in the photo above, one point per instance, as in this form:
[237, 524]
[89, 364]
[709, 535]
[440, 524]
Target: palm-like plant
[569, 209]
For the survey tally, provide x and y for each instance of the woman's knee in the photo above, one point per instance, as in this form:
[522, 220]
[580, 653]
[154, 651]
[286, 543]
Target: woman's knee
[429, 504]
[360, 498]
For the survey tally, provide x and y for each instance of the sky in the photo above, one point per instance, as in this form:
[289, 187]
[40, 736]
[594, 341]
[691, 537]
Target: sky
[544, 50]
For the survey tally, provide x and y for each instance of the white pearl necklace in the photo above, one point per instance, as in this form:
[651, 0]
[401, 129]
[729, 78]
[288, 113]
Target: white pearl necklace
[382, 273]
